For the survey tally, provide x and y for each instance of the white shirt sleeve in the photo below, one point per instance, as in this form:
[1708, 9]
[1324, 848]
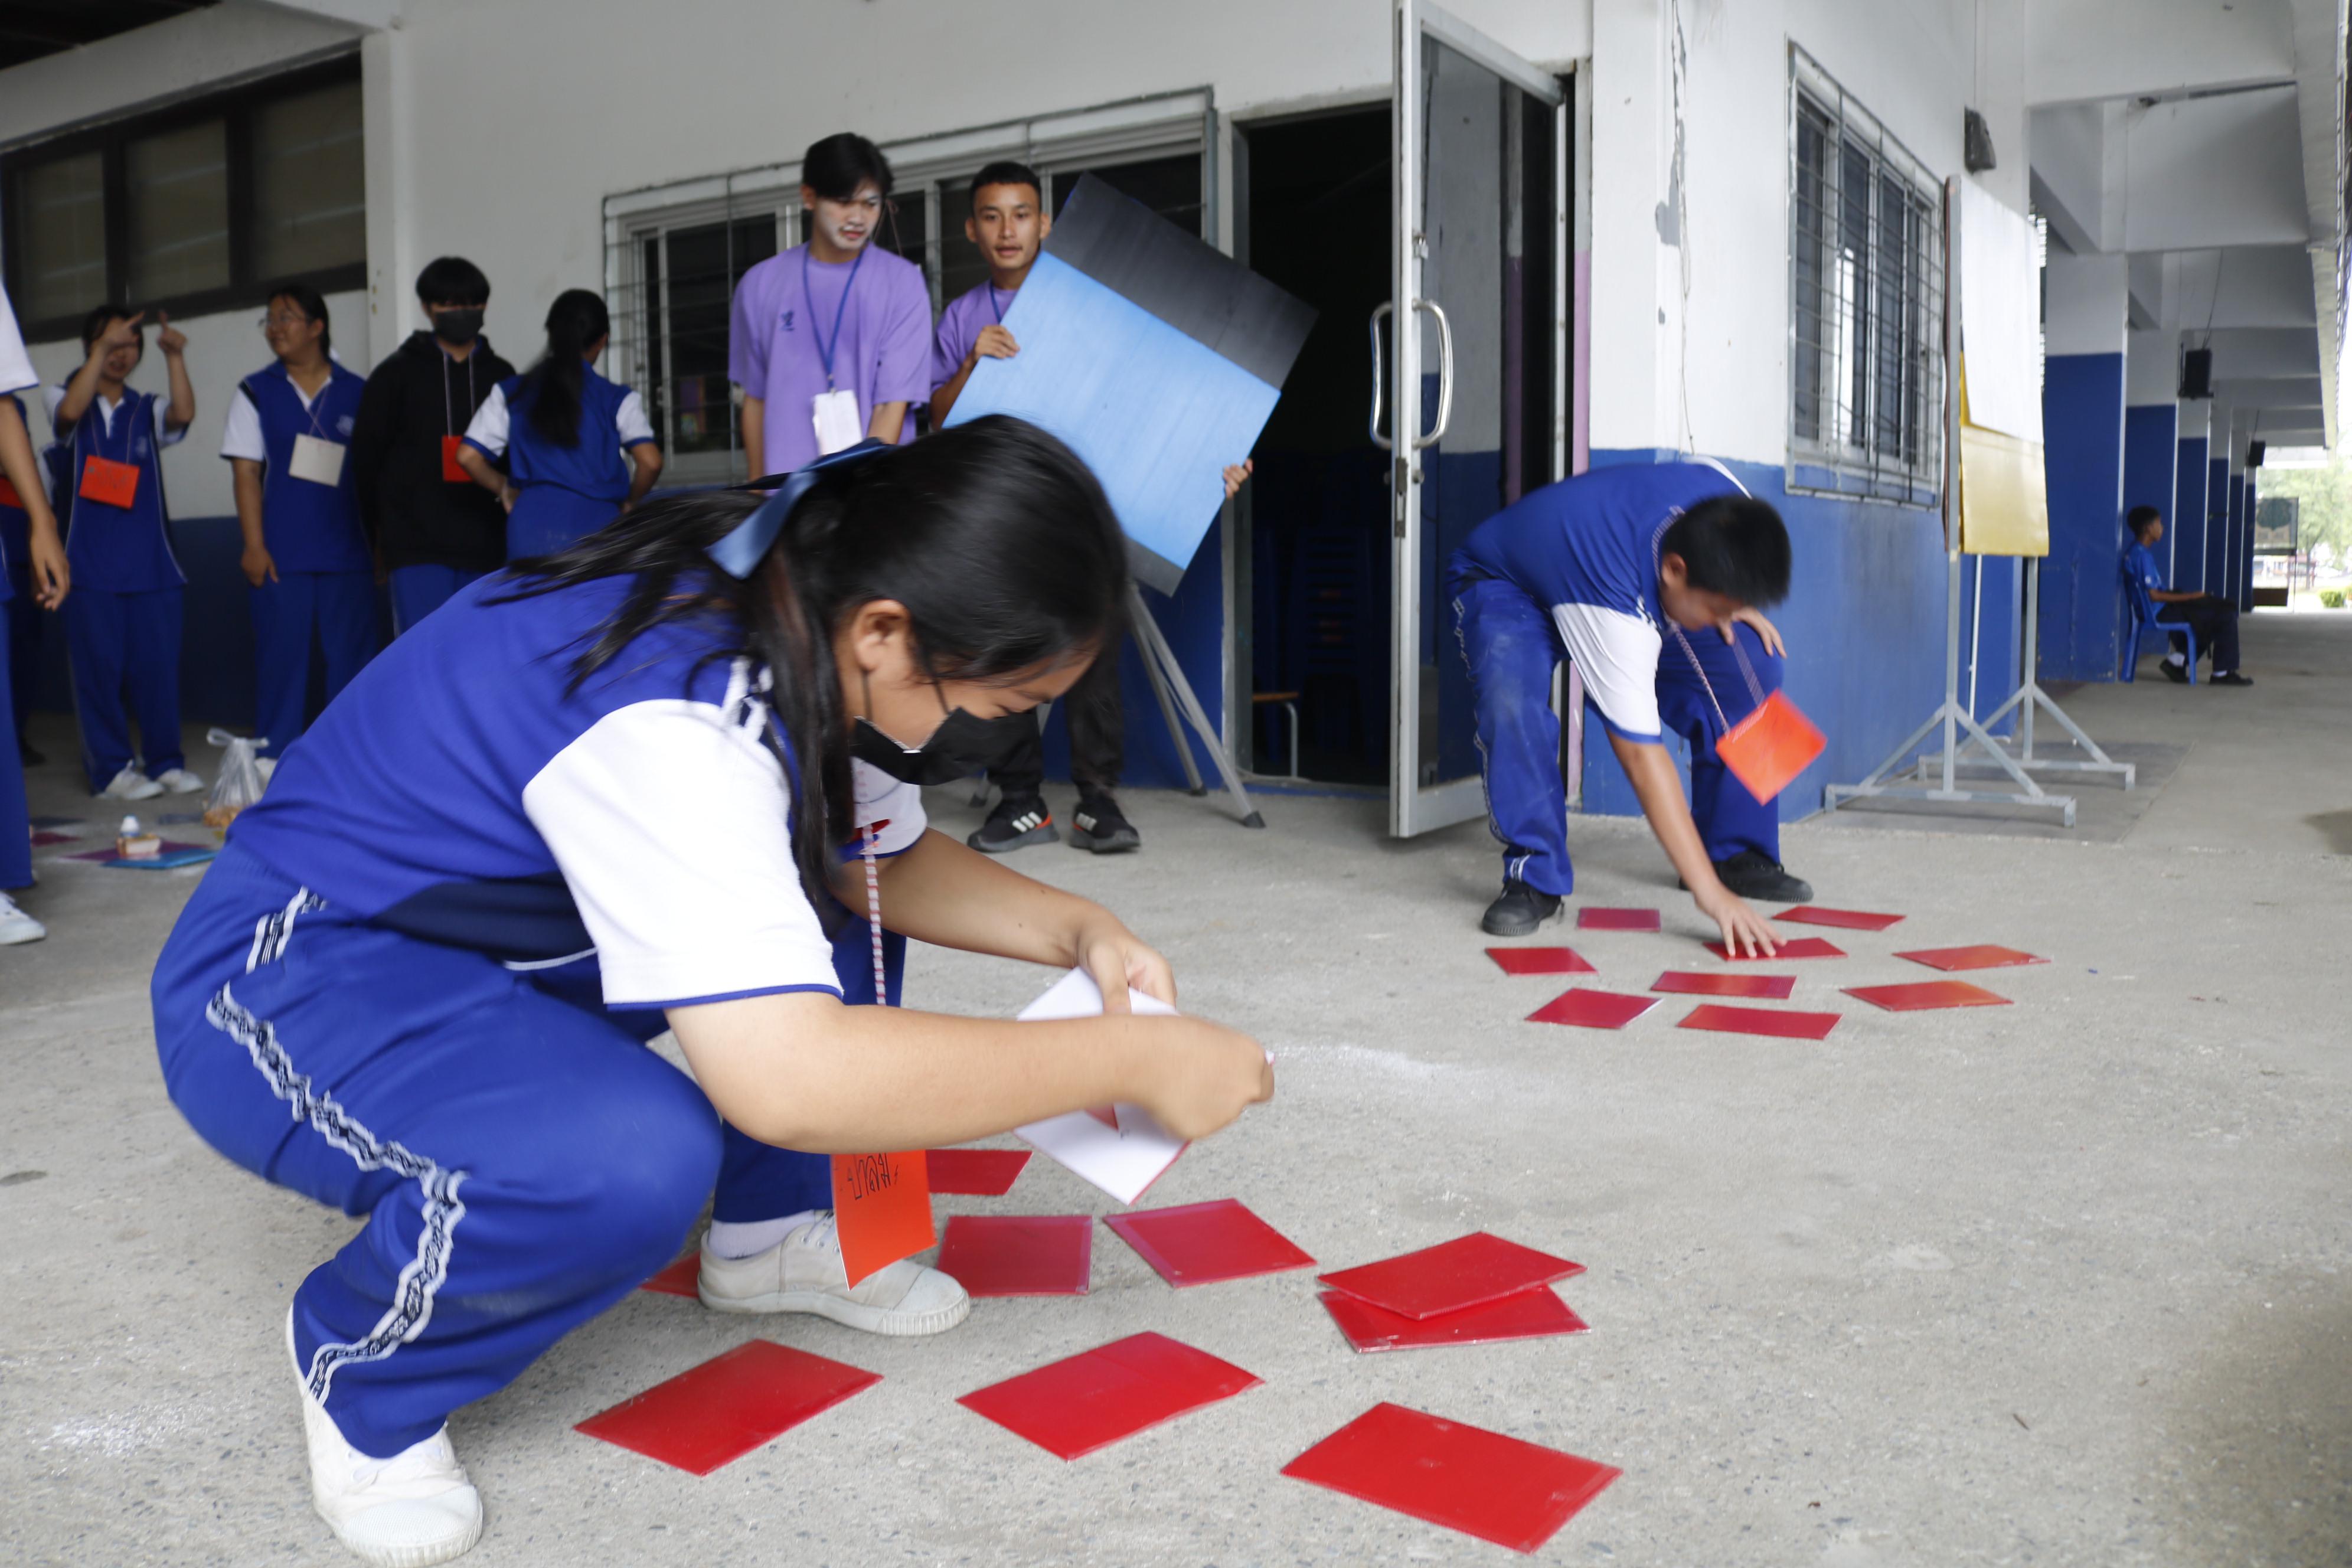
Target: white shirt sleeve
[898, 806]
[630, 419]
[488, 430]
[1618, 654]
[165, 436]
[672, 830]
[241, 434]
[16, 366]
[52, 399]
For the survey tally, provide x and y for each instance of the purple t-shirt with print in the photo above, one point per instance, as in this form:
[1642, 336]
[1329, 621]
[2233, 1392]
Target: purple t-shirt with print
[960, 324]
[781, 317]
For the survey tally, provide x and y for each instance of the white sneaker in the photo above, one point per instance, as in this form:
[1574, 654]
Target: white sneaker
[130, 784]
[179, 781]
[414, 1509]
[17, 926]
[804, 1273]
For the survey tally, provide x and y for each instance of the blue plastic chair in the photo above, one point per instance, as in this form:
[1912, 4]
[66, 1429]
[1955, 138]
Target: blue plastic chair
[2144, 612]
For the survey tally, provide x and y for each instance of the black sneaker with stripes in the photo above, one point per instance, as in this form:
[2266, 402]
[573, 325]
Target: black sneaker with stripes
[1096, 825]
[1015, 822]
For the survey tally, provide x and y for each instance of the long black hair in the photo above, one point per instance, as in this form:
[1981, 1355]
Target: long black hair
[575, 322]
[993, 535]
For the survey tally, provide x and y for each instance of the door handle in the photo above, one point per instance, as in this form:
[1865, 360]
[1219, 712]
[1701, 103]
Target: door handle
[1444, 373]
[1380, 378]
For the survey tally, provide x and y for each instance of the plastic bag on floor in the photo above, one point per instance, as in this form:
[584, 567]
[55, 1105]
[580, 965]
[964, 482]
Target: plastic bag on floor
[239, 782]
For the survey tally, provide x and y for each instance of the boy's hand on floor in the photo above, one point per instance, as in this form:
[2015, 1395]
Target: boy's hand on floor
[1744, 931]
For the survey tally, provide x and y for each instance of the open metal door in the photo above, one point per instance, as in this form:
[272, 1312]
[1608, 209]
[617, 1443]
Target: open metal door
[1477, 328]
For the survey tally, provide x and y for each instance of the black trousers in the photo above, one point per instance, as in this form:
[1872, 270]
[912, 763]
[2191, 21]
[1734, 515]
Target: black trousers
[1097, 737]
[2215, 622]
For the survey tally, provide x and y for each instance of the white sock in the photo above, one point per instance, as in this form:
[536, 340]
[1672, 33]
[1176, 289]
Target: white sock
[2176, 658]
[744, 1237]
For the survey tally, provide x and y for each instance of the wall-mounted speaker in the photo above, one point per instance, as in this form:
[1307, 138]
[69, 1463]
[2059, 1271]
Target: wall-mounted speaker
[1976, 144]
[2254, 453]
[2197, 373]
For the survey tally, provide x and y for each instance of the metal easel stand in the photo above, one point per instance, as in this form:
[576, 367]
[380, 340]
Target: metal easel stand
[1168, 685]
[2030, 696]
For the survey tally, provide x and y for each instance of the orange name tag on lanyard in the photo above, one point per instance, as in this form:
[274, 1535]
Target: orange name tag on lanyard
[8, 496]
[1767, 750]
[882, 1203]
[453, 471]
[108, 482]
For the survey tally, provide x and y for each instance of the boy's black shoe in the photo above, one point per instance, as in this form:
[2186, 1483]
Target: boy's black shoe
[2175, 673]
[2234, 677]
[1096, 825]
[1761, 879]
[1519, 910]
[1016, 821]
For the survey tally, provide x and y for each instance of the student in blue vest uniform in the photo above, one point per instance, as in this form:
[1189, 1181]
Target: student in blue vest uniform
[609, 792]
[288, 440]
[122, 627]
[33, 573]
[563, 430]
[1648, 576]
[19, 592]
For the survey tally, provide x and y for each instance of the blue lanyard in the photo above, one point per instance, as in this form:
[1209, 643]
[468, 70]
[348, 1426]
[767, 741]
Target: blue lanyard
[824, 348]
[131, 404]
[992, 304]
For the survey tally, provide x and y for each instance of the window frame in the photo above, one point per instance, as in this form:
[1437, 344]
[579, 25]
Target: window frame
[110, 139]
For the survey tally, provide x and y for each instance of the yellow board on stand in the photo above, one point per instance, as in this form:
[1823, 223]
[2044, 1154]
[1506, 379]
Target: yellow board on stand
[2004, 490]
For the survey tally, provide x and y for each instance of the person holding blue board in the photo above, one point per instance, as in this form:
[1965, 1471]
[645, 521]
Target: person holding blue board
[563, 430]
[288, 442]
[1650, 578]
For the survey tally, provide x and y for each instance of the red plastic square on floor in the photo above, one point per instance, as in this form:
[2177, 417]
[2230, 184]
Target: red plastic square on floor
[1481, 1483]
[728, 1405]
[1925, 994]
[1844, 920]
[1760, 1021]
[1467, 1271]
[1538, 961]
[1090, 1401]
[1592, 1009]
[1801, 947]
[974, 1173]
[1019, 1255]
[1199, 1243]
[1616, 920]
[682, 1278]
[1528, 1315]
[1770, 987]
[1983, 955]
[43, 840]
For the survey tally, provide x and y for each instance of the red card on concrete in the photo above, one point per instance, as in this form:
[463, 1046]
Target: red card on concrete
[111, 854]
[1019, 1255]
[1771, 987]
[682, 1278]
[1074, 1406]
[1481, 1483]
[1802, 947]
[1760, 1021]
[1616, 920]
[1984, 955]
[1927, 995]
[728, 1405]
[42, 840]
[1767, 750]
[1468, 1271]
[974, 1173]
[1198, 1244]
[1592, 1009]
[883, 1204]
[1528, 1315]
[1538, 961]
[1846, 920]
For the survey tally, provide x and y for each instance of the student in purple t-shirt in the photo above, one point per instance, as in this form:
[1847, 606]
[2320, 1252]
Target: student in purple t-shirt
[1009, 222]
[828, 339]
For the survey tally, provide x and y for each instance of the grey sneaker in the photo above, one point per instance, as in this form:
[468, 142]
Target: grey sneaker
[804, 1273]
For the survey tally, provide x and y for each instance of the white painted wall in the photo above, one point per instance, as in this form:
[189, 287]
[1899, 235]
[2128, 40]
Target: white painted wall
[2084, 300]
[2211, 171]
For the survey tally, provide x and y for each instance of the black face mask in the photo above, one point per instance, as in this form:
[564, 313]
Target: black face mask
[961, 745]
[457, 328]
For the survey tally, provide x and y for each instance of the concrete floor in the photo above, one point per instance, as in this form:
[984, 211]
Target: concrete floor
[2064, 1282]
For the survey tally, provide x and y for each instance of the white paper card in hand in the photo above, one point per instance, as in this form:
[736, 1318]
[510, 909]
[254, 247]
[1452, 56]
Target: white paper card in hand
[320, 462]
[1122, 1160]
[834, 414]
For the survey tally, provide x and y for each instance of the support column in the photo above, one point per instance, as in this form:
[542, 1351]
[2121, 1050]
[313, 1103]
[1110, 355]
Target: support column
[2246, 546]
[2151, 422]
[2212, 567]
[2184, 535]
[2087, 300]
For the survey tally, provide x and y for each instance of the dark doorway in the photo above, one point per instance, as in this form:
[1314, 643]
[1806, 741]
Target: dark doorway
[1315, 551]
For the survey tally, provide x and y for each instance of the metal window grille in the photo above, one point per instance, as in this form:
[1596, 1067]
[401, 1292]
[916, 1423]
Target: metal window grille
[1866, 302]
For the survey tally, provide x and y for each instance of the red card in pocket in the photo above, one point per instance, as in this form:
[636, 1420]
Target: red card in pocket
[454, 472]
[108, 482]
[1767, 750]
[8, 496]
[883, 1204]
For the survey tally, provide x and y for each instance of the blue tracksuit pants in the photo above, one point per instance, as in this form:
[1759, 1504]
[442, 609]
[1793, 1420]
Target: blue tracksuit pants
[118, 641]
[524, 1160]
[418, 591]
[23, 613]
[1512, 647]
[15, 825]
[334, 609]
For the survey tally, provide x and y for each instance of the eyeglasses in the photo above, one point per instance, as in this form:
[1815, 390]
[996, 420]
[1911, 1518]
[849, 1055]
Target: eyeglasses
[282, 318]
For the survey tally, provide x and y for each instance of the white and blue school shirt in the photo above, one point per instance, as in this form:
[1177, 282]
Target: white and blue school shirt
[113, 549]
[15, 376]
[1586, 549]
[458, 791]
[306, 526]
[2139, 565]
[611, 419]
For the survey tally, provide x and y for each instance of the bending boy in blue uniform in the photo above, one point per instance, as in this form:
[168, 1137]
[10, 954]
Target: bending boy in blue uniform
[288, 442]
[1649, 578]
[2215, 621]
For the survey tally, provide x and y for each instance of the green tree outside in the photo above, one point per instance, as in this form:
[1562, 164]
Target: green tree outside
[2326, 493]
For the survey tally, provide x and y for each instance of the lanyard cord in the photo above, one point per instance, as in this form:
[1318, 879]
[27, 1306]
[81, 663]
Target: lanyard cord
[126, 408]
[448, 410]
[992, 304]
[867, 837]
[1755, 688]
[823, 349]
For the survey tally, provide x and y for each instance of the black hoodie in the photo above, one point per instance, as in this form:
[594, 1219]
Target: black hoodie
[415, 516]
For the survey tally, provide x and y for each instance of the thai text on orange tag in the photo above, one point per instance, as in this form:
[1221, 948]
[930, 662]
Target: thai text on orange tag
[882, 1203]
[1767, 750]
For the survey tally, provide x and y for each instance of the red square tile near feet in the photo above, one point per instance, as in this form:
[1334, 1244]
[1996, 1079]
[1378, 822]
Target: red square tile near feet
[1199, 1243]
[1616, 920]
[1538, 961]
[1592, 1009]
[1680, 983]
[1481, 1483]
[1528, 1315]
[1074, 1406]
[1927, 995]
[728, 1405]
[1760, 1021]
[1800, 947]
[1846, 920]
[974, 1173]
[1467, 1271]
[682, 1278]
[1983, 955]
[1019, 1255]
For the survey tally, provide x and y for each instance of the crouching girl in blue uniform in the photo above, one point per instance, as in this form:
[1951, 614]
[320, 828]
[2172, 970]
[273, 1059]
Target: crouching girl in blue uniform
[562, 430]
[611, 792]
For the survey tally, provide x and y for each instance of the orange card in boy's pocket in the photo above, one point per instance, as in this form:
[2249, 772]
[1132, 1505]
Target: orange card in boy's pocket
[8, 496]
[1767, 750]
[108, 482]
[453, 471]
[883, 1206]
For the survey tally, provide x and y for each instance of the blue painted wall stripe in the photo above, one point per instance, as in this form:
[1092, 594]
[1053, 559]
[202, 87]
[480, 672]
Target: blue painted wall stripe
[2083, 460]
[2185, 525]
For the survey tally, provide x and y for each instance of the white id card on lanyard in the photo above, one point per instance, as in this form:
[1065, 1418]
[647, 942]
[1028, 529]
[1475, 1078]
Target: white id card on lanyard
[320, 462]
[834, 414]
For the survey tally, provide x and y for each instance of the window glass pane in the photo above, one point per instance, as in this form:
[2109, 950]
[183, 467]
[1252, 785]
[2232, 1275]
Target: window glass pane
[1809, 218]
[176, 184]
[706, 262]
[962, 267]
[309, 183]
[60, 229]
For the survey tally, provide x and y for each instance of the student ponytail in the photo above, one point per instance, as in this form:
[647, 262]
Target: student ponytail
[554, 385]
